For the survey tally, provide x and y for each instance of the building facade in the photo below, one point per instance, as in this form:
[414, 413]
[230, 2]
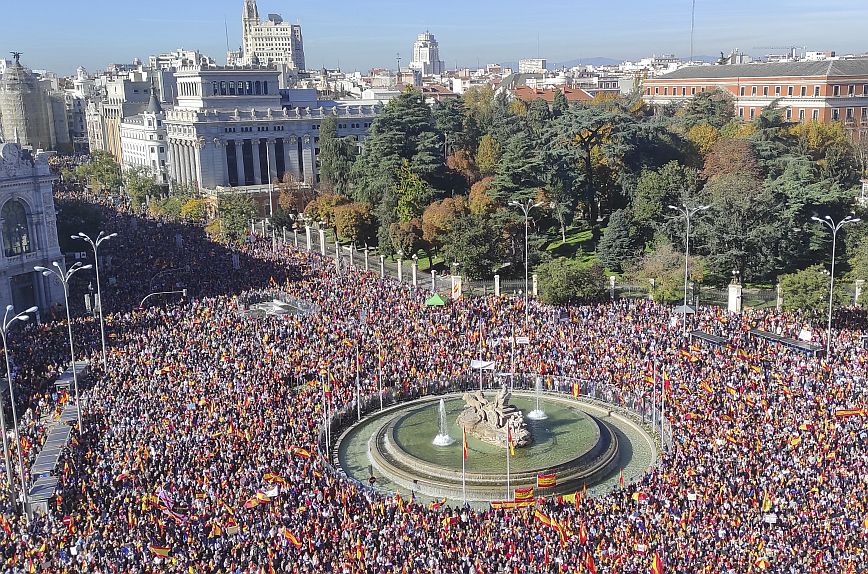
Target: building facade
[532, 66]
[269, 42]
[824, 91]
[426, 56]
[28, 229]
[232, 127]
[30, 114]
[123, 96]
[144, 143]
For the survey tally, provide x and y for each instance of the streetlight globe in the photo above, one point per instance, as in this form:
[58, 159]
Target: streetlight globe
[75, 236]
[673, 207]
[56, 264]
[815, 218]
[9, 308]
[23, 318]
[88, 266]
[856, 220]
[31, 310]
[110, 235]
[40, 268]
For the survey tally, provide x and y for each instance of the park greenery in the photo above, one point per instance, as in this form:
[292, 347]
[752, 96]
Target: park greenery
[438, 181]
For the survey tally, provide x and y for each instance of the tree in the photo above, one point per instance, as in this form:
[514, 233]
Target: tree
[102, 173]
[412, 193]
[74, 217]
[479, 101]
[480, 201]
[354, 222]
[453, 119]
[473, 243]
[488, 155]
[703, 136]
[565, 281]
[808, 290]
[461, 163]
[559, 104]
[139, 184]
[655, 189]
[234, 212]
[323, 207]
[194, 210]
[519, 171]
[665, 266]
[714, 108]
[438, 218]
[616, 249]
[728, 156]
[742, 229]
[293, 197]
[406, 236]
[336, 156]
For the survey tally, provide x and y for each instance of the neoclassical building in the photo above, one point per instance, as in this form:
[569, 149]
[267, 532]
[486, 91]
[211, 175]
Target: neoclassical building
[272, 41]
[28, 230]
[232, 127]
[143, 141]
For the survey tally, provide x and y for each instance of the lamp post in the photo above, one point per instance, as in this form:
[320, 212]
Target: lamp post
[687, 212]
[525, 208]
[834, 227]
[95, 245]
[64, 277]
[25, 316]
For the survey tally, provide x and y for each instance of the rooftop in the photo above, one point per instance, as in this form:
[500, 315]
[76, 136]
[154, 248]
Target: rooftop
[832, 68]
[548, 94]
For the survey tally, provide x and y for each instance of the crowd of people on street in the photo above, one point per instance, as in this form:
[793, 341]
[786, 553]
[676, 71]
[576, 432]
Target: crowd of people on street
[200, 447]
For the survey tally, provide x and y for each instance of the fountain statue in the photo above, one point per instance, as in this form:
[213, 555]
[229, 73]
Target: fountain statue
[490, 421]
[537, 414]
[443, 438]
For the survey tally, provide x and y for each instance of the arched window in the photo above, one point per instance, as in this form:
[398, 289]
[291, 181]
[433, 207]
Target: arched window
[265, 88]
[258, 88]
[16, 235]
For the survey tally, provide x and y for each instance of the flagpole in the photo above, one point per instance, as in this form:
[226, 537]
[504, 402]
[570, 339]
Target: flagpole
[653, 393]
[328, 409]
[508, 441]
[464, 464]
[662, 409]
[324, 415]
[358, 387]
[380, 376]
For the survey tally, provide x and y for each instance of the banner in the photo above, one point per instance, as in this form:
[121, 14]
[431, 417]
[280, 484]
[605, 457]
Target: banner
[546, 480]
[523, 494]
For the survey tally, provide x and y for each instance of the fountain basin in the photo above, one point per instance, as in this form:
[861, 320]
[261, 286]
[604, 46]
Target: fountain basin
[579, 447]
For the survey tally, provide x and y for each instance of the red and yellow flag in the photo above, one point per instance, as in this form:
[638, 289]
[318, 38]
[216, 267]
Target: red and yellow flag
[546, 480]
[159, 550]
[464, 440]
[656, 564]
[522, 494]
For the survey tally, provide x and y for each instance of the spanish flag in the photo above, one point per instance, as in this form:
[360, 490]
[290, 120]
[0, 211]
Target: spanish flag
[621, 478]
[706, 387]
[302, 452]
[667, 382]
[540, 516]
[576, 390]
[656, 564]
[464, 440]
[845, 413]
[522, 494]
[589, 563]
[293, 539]
[435, 504]
[509, 441]
[159, 550]
[546, 480]
[762, 563]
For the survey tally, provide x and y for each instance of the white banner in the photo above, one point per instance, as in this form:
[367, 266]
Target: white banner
[482, 365]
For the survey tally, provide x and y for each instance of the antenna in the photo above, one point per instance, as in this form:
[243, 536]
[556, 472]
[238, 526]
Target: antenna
[692, 29]
[226, 29]
[398, 58]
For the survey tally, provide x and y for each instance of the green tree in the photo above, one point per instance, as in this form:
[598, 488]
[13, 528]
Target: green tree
[406, 237]
[323, 207]
[665, 266]
[473, 243]
[336, 156]
[564, 281]
[616, 248]
[519, 172]
[139, 185]
[412, 193]
[808, 290]
[559, 104]
[234, 212]
[488, 155]
[479, 102]
[715, 108]
[655, 189]
[102, 173]
[454, 121]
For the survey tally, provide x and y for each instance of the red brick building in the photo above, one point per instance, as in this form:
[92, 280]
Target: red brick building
[548, 94]
[825, 91]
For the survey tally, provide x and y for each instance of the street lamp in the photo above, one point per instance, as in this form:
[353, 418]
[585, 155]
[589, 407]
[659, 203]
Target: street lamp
[24, 316]
[687, 212]
[834, 227]
[64, 277]
[95, 245]
[525, 208]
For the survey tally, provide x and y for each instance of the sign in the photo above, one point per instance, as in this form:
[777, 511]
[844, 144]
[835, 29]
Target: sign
[522, 340]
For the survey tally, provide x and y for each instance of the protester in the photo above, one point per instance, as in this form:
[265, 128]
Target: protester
[194, 452]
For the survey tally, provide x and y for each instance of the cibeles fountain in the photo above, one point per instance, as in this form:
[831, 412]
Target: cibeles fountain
[417, 446]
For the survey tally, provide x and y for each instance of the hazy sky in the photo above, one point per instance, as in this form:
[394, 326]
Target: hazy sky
[62, 34]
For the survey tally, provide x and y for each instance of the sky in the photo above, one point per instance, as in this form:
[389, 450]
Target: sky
[60, 35]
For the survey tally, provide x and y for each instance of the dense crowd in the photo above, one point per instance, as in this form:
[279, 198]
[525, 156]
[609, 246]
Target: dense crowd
[194, 451]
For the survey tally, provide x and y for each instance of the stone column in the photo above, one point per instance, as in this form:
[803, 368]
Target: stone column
[257, 170]
[382, 265]
[433, 281]
[239, 161]
[189, 161]
[322, 245]
[779, 300]
[734, 302]
[307, 235]
[860, 284]
[535, 283]
[292, 164]
[414, 268]
[172, 159]
[366, 258]
[497, 285]
[309, 160]
[197, 161]
[400, 268]
[272, 161]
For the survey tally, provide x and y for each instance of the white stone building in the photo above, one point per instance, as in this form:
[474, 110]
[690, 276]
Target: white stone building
[532, 66]
[232, 127]
[426, 55]
[269, 42]
[28, 229]
[143, 141]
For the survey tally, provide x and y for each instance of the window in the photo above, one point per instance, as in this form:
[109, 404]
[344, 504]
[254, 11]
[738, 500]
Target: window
[836, 91]
[222, 88]
[789, 90]
[849, 113]
[265, 88]
[777, 90]
[851, 90]
[801, 115]
[162, 149]
[752, 113]
[683, 91]
[665, 91]
[16, 232]
[656, 91]
[816, 91]
[765, 90]
[804, 91]
[753, 90]
[836, 114]
[257, 88]
[789, 114]
[249, 88]
[214, 88]
[864, 113]
[741, 91]
[741, 112]
[231, 88]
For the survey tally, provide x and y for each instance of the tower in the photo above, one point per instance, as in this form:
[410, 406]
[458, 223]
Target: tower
[26, 116]
[249, 20]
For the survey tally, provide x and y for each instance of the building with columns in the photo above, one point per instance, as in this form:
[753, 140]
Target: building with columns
[233, 128]
[28, 229]
[269, 42]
